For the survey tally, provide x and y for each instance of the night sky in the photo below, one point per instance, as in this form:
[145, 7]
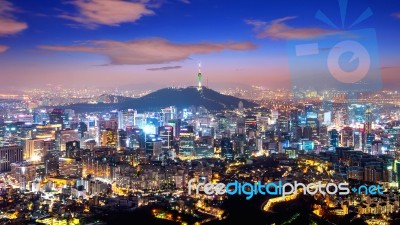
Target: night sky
[152, 44]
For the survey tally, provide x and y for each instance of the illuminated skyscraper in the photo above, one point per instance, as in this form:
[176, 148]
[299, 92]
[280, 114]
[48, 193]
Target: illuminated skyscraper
[227, 148]
[310, 111]
[313, 123]
[358, 140]
[368, 121]
[186, 143]
[126, 118]
[109, 138]
[368, 142]
[67, 136]
[283, 123]
[168, 114]
[34, 149]
[108, 124]
[56, 116]
[308, 132]
[166, 133]
[323, 135]
[137, 139]
[122, 139]
[69, 167]
[334, 138]
[153, 146]
[376, 148]
[347, 137]
[8, 155]
[250, 123]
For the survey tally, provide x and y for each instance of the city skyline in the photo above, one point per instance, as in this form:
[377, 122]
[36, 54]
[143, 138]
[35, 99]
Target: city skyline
[194, 112]
[130, 44]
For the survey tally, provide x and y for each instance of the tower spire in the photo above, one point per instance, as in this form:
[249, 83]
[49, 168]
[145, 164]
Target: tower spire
[199, 78]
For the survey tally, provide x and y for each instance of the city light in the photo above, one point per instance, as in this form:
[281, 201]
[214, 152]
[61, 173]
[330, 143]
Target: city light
[199, 112]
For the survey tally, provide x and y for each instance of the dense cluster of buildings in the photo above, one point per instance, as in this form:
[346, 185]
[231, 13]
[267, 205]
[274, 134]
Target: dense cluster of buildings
[99, 159]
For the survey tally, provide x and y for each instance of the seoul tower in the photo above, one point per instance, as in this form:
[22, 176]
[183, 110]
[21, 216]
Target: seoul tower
[199, 78]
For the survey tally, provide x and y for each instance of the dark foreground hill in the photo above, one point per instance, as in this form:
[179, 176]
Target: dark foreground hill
[179, 97]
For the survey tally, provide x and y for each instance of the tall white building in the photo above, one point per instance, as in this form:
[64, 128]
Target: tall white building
[169, 113]
[126, 118]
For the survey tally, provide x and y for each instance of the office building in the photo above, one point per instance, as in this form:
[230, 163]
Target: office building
[8, 155]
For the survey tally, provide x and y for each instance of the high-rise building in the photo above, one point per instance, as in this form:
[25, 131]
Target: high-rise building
[71, 148]
[310, 111]
[69, 167]
[166, 133]
[283, 123]
[82, 128]
[274, 116]
[34, 149]
[68, 116]
[368, 121]
[67, 136]
[240, 126]
[368, 142]
[396, 170]
[186, 141]
[327, 118]
[239, 144]
[109, 138]
[8, 155]
[126, 118]
[91, 121]
[49, 145]
[334, 138]
[347, 137]
[227, 148]
[153, 146]
[122, 139]
[26, 172]
[308, 132]
[323, 135]
[41, 117]
[313, 123]
[56, 116]
[168, 114]
[111, 123]
[358, 139]
[51, 162]
[137, 139]
[140, 120]
[297, 134]
[376, 148]
[250, 123]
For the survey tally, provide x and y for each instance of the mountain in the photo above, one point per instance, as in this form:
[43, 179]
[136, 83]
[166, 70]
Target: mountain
[106, 98]
[179, 97]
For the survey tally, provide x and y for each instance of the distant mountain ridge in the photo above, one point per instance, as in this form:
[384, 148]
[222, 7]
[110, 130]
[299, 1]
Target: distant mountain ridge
[179, 97]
